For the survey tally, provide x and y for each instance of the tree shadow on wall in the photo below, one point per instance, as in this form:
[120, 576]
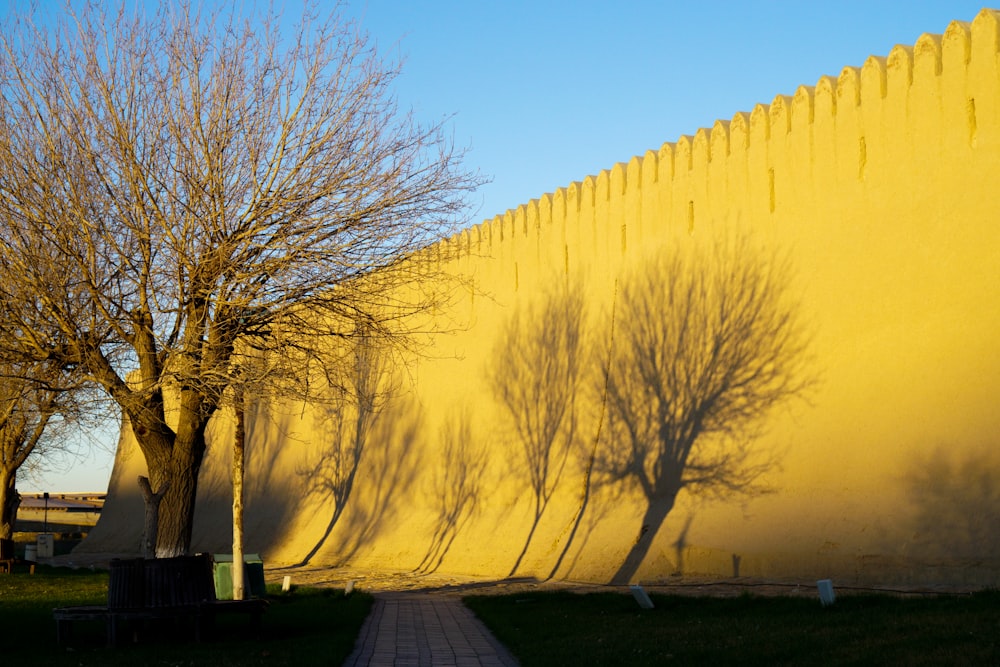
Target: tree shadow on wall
[592, 509]
[538, 366]
[956, 498]
[457, 486]
[391, 466]
[272, 495]
[707, 346]
[270, 499]
[346, 411]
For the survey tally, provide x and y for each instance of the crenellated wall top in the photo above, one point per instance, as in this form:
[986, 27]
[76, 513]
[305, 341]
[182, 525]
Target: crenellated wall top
[965, 52]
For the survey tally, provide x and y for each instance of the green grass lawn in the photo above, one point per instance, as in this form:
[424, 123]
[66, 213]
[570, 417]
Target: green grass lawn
[610, 629]
[301, 628]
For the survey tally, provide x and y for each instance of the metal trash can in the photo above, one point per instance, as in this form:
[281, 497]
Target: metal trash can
[31, 552]
[253, 576]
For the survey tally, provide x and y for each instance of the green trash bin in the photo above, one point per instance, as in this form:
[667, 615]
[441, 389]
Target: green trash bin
[253, 576]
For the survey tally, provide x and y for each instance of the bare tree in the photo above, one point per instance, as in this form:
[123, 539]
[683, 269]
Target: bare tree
[25, 412]
[252, 380]
[238, 475]
[38, 407]
[708, 345]
[41, 400]
[175, 181]
[536, 373]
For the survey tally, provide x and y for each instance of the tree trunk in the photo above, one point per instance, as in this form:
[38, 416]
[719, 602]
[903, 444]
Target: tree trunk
[178, 472]
[656, 512]
[151, 502]
[239, 446]
[177, 515]
[10, 500]
[173, 460]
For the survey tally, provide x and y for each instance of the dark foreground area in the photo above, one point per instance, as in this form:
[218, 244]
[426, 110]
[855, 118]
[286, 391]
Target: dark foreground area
[302, 627]
[318, 626]
[610, 629]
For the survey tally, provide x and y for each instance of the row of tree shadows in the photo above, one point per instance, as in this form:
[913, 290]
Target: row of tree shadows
[669, 393]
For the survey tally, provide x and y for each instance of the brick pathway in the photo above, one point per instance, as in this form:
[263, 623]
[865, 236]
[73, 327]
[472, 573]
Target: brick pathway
[414, 629]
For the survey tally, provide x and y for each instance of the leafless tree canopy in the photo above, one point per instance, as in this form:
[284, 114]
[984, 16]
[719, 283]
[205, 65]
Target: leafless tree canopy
[175, 181]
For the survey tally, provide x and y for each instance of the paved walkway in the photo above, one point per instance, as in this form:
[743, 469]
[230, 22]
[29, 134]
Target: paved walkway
[416, 629]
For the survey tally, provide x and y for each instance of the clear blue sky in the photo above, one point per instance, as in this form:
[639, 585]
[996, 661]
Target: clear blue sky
[545, 93]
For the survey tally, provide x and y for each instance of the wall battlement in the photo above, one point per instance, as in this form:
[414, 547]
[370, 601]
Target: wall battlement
[909, 104]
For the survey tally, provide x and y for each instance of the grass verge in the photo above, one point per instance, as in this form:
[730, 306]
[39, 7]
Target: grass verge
[301, 628]
[610, 629]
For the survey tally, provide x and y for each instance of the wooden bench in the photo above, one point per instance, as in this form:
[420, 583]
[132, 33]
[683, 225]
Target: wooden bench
[141, 591]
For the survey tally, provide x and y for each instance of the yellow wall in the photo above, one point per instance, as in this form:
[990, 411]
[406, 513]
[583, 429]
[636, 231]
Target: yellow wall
[882, 184]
